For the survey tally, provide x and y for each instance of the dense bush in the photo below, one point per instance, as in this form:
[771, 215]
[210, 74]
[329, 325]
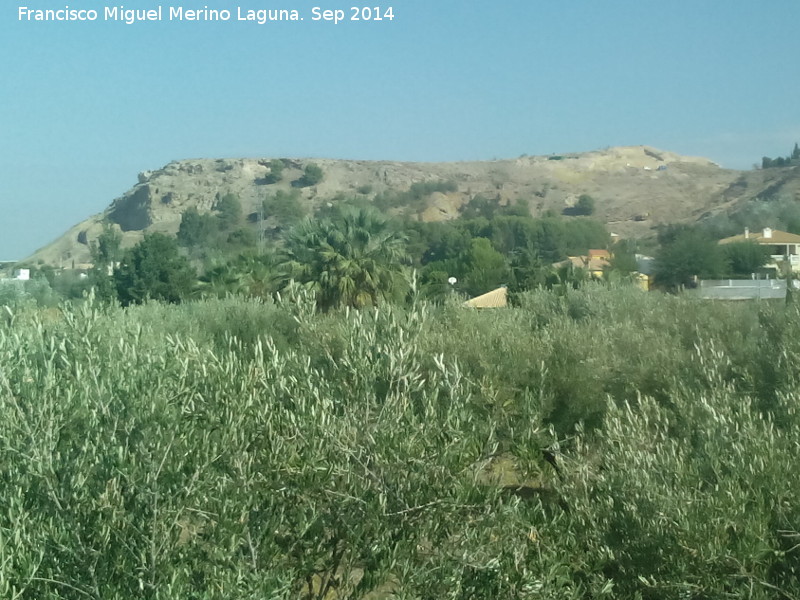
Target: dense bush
[275, 173]
[312, 175]
[247, 449]
[154, 269]
[284, 207]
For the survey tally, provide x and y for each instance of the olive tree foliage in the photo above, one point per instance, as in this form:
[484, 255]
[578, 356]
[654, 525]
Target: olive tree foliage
[180, 471]
[694, 498]
[386, 454]
[353, 260]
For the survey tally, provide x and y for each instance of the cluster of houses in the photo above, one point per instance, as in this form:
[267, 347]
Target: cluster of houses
[597, 262]
[784, 251]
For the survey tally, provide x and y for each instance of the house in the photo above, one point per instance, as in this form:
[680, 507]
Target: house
[782, 245]
[595, 262]
[599, 254]
[495, 299]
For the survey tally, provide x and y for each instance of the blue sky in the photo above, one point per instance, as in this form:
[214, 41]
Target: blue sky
[86, 106]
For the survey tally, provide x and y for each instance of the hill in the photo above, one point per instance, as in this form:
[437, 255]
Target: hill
[634, 189]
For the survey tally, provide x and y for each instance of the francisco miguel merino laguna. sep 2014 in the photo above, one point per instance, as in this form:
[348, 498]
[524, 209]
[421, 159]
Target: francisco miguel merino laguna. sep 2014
[180, 13]
[159, 13]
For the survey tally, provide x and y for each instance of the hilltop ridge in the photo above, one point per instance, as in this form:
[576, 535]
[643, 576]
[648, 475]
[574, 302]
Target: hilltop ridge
[635, 188]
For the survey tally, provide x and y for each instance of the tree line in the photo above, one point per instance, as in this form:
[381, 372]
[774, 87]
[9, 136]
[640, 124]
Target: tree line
[782, 161]
[349, 253]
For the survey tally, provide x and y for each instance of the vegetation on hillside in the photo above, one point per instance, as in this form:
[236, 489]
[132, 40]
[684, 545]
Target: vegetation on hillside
[414, 200]
[780, 211]
[782, 161]
[312, 175]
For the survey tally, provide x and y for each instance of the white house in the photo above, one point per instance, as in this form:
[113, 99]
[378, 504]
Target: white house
[782, 244]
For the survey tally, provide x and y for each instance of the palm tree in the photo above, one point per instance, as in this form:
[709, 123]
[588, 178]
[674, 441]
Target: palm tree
[354, 259]
[247, 274]
[220, 280]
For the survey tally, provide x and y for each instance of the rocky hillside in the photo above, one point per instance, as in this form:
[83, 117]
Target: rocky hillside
[634, 189]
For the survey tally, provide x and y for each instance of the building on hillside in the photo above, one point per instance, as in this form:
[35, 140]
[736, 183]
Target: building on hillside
[782, 245]
[599, 254]
[495, 299]
[595, 262]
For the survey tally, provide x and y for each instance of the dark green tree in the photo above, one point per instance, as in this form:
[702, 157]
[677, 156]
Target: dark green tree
[528, 271]
[623, 258]
[284, 207]
[354, 260]
[745, 258]
[229, 211]
[106, 249]
[275, 171]
[196, 229]
[242, 239]
[221, 280]
[262, 272]
[516, 209]
[585, 205]
[312, 175]
[248, 274]
[154, 269]
[485, 268]
[690, 254]
[479, 206]
[441, 241]
[105, 252]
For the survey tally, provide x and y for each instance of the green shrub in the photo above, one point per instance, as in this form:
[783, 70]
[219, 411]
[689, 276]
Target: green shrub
[312, 175]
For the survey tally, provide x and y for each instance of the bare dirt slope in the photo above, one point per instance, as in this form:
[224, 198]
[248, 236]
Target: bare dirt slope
[634, 188]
